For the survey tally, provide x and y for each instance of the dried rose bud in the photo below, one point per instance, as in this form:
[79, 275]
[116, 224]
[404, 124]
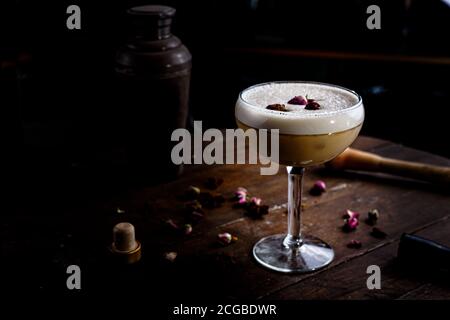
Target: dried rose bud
[170, 256]
[192, 192]
[172, 224]
[187, 229]
[241, 195]
[256, 200]
[372, 216]
[318, 188]
[300, 100]
[312, 105]
[349, 214]
[277, 107]
[354, 244]
[350, 224]
[226, 238]
[378, 233]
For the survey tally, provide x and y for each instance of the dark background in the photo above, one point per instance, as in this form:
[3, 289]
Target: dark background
[56, 87]
[56, 83]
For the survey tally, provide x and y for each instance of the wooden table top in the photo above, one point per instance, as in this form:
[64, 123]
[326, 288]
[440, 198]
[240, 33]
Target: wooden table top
[205, 269]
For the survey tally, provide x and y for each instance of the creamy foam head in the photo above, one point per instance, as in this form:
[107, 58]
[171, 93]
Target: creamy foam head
[341, 109]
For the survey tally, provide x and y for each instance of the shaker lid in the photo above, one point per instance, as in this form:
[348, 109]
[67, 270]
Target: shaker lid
[157, 11]
[151, 20]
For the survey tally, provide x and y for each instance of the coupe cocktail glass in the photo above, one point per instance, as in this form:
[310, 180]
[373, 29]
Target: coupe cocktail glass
[306, 138]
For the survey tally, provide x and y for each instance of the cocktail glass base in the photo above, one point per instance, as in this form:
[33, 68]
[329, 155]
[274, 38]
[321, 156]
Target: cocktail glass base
[311, 255]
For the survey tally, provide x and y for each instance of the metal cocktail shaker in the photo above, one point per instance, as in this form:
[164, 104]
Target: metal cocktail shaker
[153, 70]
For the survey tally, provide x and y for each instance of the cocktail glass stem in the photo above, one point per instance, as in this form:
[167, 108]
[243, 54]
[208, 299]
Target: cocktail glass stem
[296, 251]
[295, 185]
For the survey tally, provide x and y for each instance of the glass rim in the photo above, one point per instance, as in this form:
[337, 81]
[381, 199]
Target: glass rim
[355, 106]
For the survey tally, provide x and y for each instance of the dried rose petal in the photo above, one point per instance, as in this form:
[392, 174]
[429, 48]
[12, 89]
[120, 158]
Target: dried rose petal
[187, 229]
[350, 224]
[300, 100]
[170, 256]
[378, 233]
[226, 238]
[318, 188]
[354, 244]
[351, 214]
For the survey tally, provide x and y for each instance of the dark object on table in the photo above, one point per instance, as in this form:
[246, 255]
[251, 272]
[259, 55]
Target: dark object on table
[153, 71]
[417, 252]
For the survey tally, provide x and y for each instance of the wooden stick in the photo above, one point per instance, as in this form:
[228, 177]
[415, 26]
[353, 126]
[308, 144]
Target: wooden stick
[352, 159]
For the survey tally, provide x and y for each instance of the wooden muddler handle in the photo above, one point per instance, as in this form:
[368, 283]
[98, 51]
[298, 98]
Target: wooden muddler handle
[352, 159]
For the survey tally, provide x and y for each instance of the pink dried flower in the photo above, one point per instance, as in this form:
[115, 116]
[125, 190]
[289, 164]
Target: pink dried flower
[349, 214]
[350, 224]
[318, 188]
